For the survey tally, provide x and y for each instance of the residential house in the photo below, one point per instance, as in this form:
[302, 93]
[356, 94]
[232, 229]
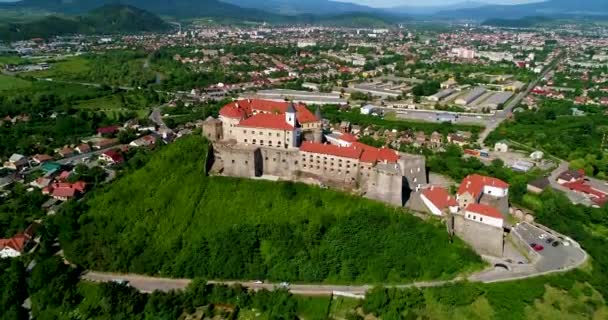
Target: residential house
[64, 191]
[12, 247]
[112, 157]
[539, 185]
[420, 139]
[41, 158]
[41, 183]
[15, 246]
[570, 176]
[457, 139]
[145, 141]
[107, 131]
[435, 140]
[83, 148]
[501, 146]
[105, 143]
[65, 152]
[16, 162]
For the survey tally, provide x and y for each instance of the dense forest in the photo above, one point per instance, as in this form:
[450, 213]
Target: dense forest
[553, 129]
[173, 220]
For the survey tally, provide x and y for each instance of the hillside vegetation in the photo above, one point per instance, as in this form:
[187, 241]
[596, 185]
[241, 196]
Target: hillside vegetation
[169, 218]
[107, 19]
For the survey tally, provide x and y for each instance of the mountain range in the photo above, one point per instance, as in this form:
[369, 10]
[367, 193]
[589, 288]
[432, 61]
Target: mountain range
[175, 8]
[551, 8]
[286, 11]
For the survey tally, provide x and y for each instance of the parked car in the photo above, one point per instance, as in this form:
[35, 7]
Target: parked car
[555, 243]
[284, 284]
[542, 236]
[536, 247]
[549, 240]
[258, 282]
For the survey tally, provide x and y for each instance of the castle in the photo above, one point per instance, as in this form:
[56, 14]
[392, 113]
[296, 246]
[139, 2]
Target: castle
[256, 138]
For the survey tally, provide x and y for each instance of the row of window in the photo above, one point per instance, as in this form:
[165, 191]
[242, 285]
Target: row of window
[475, 218]
[325, 169]
[261, 133]
[324, 158]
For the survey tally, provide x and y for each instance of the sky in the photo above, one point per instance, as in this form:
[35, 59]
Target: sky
[426, 3]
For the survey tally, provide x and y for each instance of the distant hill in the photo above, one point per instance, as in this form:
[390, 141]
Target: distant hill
[104, 20]
[291, 7]
[429, 10]
[526, 22]
[175, 8]
[549, 8]
[354, 20]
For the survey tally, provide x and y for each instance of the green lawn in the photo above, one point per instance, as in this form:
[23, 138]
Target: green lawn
[68, 69]
[313, 308]
[11, 60]
[13, 83]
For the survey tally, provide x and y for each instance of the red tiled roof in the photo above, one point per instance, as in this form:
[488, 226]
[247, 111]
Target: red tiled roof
[330, 149]
[114, 155]
[42, 158]
[484, 210]
[474, 184]
[348, 137]
[108, 130]
[17, 242]
[245, 108]
[64, 192]
[268, 121]
[440, 197]
[372, 154]
[583, 187]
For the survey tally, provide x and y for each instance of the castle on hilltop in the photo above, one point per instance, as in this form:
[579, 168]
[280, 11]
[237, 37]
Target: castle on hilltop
[257, 138]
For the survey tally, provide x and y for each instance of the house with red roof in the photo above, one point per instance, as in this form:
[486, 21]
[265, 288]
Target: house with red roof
[12, 247]
[484, 214]
[41, 158]
[64, 191]
[474, 186]
[112, 157]
[109, 130]
[15, 246]
[439, 201]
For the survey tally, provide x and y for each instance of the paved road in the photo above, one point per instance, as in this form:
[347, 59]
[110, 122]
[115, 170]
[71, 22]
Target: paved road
[552, 259]
[566, 255]
[502, 115]
[150, 284]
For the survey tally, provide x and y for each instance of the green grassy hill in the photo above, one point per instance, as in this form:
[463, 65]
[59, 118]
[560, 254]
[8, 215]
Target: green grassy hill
[169, 218]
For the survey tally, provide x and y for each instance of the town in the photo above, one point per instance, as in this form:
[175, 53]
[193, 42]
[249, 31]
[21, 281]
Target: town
[494, 138]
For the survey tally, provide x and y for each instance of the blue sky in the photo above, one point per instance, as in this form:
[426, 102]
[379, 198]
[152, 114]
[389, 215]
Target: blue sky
[388, 3]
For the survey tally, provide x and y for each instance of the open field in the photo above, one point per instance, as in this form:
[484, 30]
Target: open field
[12, 83]
[67, 69]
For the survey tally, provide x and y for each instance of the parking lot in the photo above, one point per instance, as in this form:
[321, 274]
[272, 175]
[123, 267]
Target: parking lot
[564, 255]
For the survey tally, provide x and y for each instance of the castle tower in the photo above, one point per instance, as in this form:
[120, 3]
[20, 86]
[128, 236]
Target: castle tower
[290, 115]
[318, 132]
